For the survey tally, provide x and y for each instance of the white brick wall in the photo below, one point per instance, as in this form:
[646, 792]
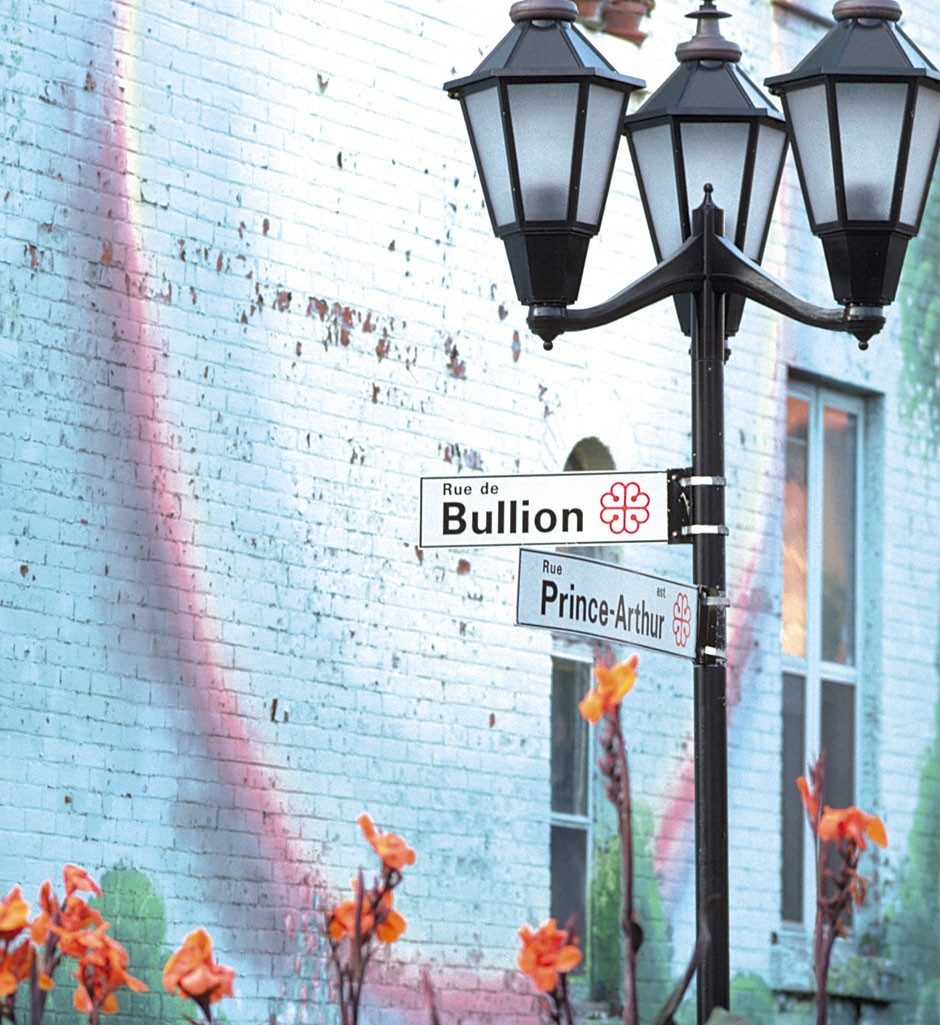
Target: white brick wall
[249, 296]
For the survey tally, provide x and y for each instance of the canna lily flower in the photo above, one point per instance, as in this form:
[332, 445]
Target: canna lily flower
[810, 800]
[15, 966]
[342, 920]
[192, 971]
[393, 851]
[612, 685]
[14, 915]
[78, 879]
[389, 923]
[851, 824]
[102, 969]
[546, 954]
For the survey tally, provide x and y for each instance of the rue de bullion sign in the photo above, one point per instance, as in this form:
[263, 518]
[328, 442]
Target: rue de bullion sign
[583, 596]
[544, 509]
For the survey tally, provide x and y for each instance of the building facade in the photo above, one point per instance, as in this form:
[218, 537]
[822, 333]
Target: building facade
[249, 296]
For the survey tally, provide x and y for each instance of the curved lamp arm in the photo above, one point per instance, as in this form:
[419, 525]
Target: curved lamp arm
[732, 271]
[707, 256]
[684, 271]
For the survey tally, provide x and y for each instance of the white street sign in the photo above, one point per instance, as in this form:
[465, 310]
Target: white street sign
[544, 509]
[583, 596]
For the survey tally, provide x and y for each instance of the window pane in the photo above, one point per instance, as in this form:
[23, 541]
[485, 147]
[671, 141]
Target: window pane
[838, 741]
[569, 739]
[569, 875]
[839, 490]
[793, 630]
[794, 826]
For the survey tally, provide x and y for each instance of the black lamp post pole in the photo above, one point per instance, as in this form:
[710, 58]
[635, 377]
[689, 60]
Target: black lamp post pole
[709, 695]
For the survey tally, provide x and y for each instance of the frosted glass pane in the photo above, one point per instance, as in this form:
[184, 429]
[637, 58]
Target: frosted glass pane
[771, 144]
[486, 124]
[655, 168]
[601, 136]
[921, 158]
[543, 121]
[715, 153]
[809, 124]
[870, 123]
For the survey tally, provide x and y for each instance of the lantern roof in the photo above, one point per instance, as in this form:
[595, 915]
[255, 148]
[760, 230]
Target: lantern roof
[708, 81]
[542, 43]
[865, 42]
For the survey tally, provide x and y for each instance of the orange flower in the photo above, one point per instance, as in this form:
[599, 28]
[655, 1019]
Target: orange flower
[342, 920]
[102, 969]
[389, 923]
[612, 684]
[14, 912]
[851, 824]
[78, 879]
[72, 915]
[546, 953]
[15, 966]
[192, 972]
[810, 800]
[393, 851]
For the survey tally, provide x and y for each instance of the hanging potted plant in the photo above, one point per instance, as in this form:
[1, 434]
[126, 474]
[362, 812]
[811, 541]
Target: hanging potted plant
[589, 14]
[622, 18]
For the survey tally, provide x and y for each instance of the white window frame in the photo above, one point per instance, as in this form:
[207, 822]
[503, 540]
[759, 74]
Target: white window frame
[813, 668]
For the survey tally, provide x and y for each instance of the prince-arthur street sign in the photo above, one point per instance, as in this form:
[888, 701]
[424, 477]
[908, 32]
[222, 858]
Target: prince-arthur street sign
[583, 596]
[544, 509]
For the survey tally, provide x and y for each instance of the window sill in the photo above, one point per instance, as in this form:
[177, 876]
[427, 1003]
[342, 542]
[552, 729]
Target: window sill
[593, 1013]
[853, 978]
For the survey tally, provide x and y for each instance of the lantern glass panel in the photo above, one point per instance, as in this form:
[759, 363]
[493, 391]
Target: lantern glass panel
[871, 120]
[601, 136]
[543, 118]
[486, 127]
[771, 143]
[920, 160]
[809, 120]
[655, 164]
[715, 151]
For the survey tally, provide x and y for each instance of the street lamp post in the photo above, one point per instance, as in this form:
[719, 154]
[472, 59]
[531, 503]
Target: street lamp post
[544, 112]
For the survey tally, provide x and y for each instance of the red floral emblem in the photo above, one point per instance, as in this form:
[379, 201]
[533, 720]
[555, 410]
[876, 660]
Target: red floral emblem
[625, 508]
[681, 620]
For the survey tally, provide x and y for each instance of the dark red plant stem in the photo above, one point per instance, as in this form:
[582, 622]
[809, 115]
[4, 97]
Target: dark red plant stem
[625, 826]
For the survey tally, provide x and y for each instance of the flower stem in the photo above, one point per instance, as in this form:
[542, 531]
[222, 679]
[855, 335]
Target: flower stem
[625, 828]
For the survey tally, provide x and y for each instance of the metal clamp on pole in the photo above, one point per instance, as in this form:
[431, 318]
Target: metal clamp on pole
[705, 528]
[713, 606]
[681, 505]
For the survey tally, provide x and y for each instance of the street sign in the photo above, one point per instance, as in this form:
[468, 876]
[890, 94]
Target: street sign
[545, 509]
[583, 596]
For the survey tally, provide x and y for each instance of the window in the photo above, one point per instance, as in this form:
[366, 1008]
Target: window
[571, 794]
[820, 616]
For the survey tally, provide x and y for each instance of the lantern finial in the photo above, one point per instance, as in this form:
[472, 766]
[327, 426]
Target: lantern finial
[708, 43]
[887, 10]
[549, 10]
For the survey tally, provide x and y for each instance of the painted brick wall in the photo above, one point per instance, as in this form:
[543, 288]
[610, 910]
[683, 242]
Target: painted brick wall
[248, 296]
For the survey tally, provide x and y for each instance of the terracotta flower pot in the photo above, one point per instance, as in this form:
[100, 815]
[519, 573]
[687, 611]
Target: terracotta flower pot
[587, 9]
[622, 18]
